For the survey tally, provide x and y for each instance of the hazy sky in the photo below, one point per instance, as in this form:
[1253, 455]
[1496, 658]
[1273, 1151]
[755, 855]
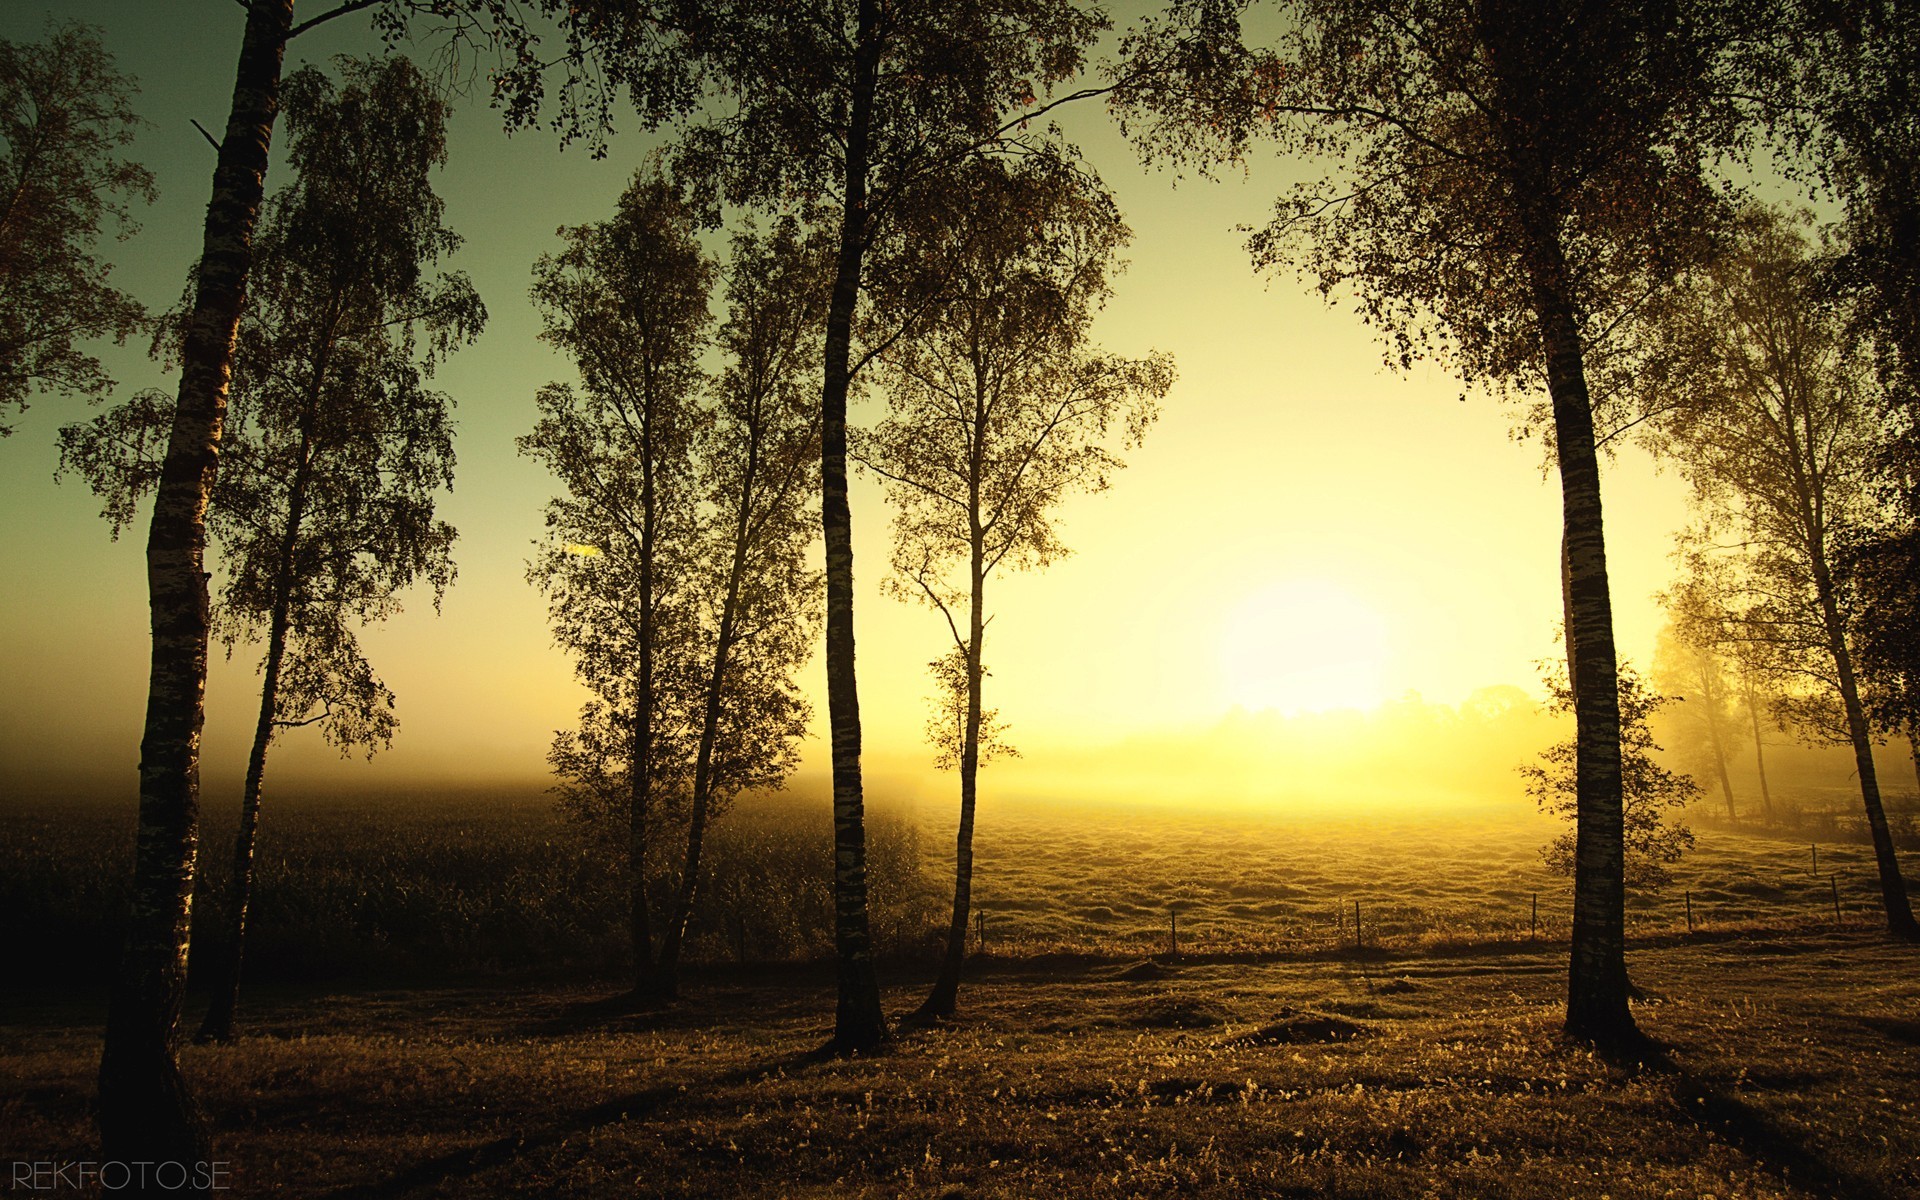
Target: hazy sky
[1301, 523]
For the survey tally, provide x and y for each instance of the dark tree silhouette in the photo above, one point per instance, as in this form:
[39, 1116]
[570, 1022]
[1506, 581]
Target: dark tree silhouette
[759, 618]
[65, 113]
[324, 511]
[1882, 576]
[1840, 76]
[861, 106]
[1512, 178]
[1778, 437]
[146, 1112]
[676, 564]
[998, 409]
[627, 301]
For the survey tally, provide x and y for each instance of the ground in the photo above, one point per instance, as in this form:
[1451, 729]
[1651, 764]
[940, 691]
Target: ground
[1791, 1071]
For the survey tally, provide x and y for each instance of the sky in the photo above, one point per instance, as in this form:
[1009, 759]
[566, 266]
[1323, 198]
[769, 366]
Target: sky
[1302, 529]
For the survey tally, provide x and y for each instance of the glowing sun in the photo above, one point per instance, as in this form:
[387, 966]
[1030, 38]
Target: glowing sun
[1303, 645]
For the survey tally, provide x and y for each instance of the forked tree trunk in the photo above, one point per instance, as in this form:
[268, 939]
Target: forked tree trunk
[1597, 973]
[1893, 888]
[146, 1111]
[217, 1025]
[859, 1023]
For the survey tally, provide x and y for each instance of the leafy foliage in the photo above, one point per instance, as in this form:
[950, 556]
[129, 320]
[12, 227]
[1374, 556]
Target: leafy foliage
[65, 114]
[336, 448]
[1649, 791]
[675, 561]
[1768, 411]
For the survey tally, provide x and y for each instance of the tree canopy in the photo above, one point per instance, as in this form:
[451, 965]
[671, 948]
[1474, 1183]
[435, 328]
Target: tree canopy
[66, 113]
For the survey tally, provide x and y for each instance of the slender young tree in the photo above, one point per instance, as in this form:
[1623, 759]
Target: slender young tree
[1778, 443]
[862, 107]
[627, 301]
[1511, 179]
[325, 511]
[998, 408]
[146, 1112]
[65, 114]
[757, 464]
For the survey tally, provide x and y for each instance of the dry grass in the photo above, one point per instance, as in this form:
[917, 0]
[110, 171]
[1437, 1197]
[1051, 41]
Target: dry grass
[1271, 1059]
[1793, 1074]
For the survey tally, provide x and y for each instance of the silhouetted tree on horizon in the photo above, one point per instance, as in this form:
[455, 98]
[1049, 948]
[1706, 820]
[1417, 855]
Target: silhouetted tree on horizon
[65, 113]
[998, 408]
[1689, 667]
[760, 613]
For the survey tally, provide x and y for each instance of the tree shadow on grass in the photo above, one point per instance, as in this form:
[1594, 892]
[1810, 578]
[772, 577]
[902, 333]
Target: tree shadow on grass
[1772, 1146]
[473, 1160]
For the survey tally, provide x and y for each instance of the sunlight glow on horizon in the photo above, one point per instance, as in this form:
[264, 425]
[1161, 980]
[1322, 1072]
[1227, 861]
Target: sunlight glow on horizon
[1304, 645]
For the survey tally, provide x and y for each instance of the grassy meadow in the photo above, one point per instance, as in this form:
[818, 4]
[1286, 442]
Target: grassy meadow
[427, 1013]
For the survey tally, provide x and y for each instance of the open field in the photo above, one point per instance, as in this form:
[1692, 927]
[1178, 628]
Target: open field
[427, 890]
[425, 1017]
[1793, 1073]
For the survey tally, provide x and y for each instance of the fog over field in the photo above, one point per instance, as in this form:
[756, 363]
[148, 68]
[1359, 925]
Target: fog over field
[948, 599]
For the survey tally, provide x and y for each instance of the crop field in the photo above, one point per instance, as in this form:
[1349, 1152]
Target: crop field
[1273, 1056]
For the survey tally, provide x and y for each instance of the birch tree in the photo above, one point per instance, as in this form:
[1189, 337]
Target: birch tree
[146, 1112]
[627, 301]
[66, 113]
[1650, 793]
[1689, 668]
[856, 107]
[1778, 443]
[336, 448]
[1507, 182]
[998, 409]
[759, 611]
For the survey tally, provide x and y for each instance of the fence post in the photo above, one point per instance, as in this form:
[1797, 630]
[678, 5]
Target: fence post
[1173, 930]
[1833, 881]
[1533, 922]
[1815, 847]
[980, 924]
[1689, 912]
[1358, 941]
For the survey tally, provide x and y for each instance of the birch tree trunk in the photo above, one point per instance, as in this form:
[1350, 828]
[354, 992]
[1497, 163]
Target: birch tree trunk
[146, 1111]
[859, 1023]
[667, 978]
[1893, 888]
[944, 1000]
[1597, 973]
[217, 1025]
